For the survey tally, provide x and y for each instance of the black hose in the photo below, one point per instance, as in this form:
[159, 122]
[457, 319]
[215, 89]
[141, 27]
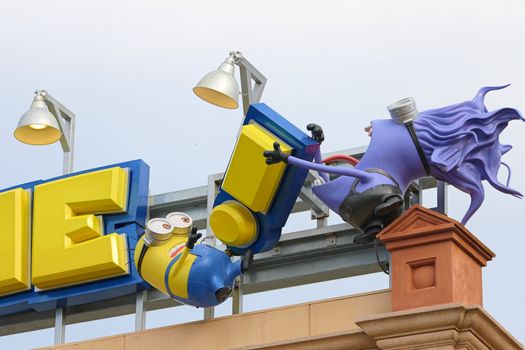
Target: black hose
[376, 245]
[141, 257]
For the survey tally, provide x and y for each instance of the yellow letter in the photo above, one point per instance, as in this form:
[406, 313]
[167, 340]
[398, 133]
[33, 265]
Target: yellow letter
[69, 246]
[14, 241]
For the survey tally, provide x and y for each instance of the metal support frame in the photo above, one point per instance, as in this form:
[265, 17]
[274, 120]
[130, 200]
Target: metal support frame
[66, 122]
[209, 313]
[140, 310]
[416, 197]
[313, 255]
[442, 197]
[237, 296]
[250, 93]
[60, 326]
[319, 210]
[214, 182]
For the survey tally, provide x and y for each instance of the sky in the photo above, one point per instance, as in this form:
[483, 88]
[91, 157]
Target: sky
[127, 68]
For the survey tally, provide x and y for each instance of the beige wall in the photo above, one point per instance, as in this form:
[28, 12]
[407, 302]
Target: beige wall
[315, 319]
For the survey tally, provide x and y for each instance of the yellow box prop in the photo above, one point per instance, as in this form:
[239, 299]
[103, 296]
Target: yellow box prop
[248, 178]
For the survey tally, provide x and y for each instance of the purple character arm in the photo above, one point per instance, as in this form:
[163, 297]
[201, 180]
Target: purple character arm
[276, 156]
[318, 160]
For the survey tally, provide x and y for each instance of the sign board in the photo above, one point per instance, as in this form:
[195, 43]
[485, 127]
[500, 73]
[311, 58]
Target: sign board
[70, 240]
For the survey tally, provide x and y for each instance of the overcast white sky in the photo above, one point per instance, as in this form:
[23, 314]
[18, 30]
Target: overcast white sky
[126, 68]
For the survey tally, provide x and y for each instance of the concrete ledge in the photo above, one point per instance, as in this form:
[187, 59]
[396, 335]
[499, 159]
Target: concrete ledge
[359, 322]
[286, 324]
[355, 339]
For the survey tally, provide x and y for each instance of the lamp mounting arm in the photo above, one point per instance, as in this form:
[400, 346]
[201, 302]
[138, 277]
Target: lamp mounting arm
[251, 93]
[66, 122]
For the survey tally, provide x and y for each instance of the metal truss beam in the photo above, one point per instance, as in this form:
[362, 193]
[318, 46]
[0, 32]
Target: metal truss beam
[310, 256]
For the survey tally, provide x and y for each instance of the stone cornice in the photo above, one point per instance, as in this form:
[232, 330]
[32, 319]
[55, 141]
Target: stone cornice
[451, 326]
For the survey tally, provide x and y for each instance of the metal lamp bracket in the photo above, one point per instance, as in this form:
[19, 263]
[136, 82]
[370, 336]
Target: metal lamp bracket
[66, 122]
[251, 92]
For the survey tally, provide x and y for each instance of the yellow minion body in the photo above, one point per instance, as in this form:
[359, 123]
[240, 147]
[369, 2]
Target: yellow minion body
[157, 259]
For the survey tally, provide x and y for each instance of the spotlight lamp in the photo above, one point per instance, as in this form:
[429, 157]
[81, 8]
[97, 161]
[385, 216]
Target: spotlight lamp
[48, 121]
[220, 88]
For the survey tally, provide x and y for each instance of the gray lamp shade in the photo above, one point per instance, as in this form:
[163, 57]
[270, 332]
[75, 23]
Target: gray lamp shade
[220, 87]
[38, 126]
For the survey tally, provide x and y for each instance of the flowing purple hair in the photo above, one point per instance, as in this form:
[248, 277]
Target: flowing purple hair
[461, 144]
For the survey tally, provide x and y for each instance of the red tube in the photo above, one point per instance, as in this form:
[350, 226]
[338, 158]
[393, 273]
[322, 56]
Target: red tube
[342, 158]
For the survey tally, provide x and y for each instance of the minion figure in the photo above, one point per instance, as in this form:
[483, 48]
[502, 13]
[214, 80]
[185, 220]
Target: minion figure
[168, 258]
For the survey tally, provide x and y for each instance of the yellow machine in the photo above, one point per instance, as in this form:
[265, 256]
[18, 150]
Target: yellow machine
[251, 183]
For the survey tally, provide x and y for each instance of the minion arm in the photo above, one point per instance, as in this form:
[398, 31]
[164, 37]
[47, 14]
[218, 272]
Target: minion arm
[176, 264]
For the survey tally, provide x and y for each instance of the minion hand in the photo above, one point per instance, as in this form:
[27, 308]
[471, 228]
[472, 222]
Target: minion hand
[275, 156]
[193, 238]
[317, 132]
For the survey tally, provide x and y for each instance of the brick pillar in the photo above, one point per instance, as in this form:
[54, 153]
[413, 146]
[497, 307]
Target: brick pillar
[435, 260]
